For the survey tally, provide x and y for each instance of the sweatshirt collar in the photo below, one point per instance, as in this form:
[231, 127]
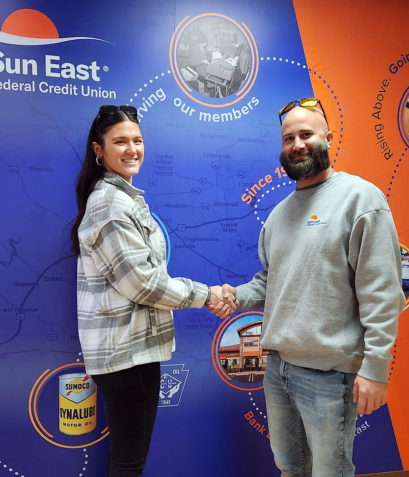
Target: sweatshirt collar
[309, 191]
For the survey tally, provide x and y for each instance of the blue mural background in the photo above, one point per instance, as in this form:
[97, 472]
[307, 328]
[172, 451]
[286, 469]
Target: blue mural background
[212, 231]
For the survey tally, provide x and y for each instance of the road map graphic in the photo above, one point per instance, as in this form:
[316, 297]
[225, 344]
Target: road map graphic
[211, 176]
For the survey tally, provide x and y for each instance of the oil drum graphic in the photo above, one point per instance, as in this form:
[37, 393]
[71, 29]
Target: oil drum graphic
[78, 404]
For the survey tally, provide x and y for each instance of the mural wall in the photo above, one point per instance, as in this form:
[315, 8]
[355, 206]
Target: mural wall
[208, 80]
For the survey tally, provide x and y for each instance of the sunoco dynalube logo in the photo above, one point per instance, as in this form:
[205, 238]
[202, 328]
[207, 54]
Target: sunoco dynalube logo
[78, 404]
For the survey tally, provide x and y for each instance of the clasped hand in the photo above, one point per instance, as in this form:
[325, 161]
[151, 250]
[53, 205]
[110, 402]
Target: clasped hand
[223, 301]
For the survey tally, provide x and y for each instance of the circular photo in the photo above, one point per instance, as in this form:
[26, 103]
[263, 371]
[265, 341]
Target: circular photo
[213, 57]
[406, 118]
[403, 117]
[240, 353]
[404, 253]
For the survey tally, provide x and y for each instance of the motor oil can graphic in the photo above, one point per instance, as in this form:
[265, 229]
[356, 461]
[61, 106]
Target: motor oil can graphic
[78, 404]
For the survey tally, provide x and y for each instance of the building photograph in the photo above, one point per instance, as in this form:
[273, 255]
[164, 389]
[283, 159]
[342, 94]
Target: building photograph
[240, 352]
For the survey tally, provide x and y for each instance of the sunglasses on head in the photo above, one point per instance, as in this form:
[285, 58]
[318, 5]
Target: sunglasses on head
[111, 109]
[304, 103]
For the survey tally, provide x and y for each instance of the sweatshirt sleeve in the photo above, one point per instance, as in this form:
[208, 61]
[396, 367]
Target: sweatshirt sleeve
[134, 270]
[374, 255]
[252, 295]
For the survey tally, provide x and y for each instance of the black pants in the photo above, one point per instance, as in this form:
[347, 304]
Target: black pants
[131, 403]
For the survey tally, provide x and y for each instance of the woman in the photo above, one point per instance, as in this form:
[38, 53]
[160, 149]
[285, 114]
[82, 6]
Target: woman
[216, 41]
[125, 295]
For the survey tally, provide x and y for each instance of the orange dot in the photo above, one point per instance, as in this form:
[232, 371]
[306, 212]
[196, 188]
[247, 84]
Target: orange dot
[314, 217]
[30, 24]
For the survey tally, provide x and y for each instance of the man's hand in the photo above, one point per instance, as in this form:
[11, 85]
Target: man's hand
[370, 395]
[223, 302]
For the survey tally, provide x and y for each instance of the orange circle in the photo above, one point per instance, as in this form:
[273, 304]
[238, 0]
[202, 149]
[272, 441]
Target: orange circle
[29, 24]
[32, 409]
[180, 80]
[216, 346]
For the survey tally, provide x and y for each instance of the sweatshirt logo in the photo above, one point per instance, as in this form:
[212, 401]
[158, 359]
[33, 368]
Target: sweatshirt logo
[314, 221]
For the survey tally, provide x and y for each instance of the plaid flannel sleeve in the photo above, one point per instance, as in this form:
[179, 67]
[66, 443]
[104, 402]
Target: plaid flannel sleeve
[138, 272]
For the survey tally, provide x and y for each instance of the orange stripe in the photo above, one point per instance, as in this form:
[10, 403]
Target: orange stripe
[170, 52]
[253, 62]
[216, 365]
[35, 407]
[183, 85]
[30, 398]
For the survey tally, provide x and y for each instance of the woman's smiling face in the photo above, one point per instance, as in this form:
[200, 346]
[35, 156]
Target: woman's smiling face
[123, 150]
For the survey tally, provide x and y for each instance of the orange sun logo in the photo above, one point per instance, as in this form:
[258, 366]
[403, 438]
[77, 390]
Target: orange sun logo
[31, 27]
[29, 23]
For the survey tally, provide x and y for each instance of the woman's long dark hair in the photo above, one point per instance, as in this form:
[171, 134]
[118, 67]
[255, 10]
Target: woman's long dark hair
[90, 173]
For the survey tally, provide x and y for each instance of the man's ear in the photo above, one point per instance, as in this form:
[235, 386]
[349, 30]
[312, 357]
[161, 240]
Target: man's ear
[329, 137]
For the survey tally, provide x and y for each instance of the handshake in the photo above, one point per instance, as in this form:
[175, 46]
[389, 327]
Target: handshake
[223, 301]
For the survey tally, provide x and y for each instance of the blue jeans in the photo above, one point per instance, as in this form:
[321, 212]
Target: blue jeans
[311, 419]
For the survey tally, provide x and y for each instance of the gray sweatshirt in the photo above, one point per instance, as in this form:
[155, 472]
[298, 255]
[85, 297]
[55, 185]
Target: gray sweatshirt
[331, 287]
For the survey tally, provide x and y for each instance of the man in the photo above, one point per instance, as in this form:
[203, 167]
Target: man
[331, 292]
[198, 58]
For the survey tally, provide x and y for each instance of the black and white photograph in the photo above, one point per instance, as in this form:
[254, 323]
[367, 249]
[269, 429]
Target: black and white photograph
[214, 57]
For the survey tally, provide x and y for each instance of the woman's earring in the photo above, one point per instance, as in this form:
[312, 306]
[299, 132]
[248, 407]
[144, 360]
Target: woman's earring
[97, 161]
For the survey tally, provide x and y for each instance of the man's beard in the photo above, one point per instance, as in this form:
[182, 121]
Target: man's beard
[316, 162]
